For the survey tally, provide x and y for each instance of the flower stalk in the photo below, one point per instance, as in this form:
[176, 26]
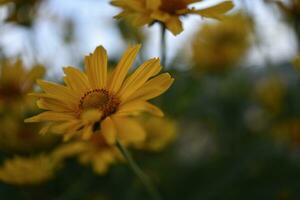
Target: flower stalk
[138, 172]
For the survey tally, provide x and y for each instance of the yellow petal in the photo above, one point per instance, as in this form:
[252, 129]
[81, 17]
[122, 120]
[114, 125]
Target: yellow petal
[60, 92]
[87, 132]
[76, 80]
[108, 130]
[139, 77]
[160, 16]
[153, 88]
[174, 25]
[140, 19]
[216, 11]
[53, 105]
[96, 68]
[136, 107]
[122, 68]
[129, 130]
[51, 116]
[64, 126]
[153, 4]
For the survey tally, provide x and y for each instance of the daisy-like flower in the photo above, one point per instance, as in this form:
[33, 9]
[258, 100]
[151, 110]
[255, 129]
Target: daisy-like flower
[95, 100]
[167, 12]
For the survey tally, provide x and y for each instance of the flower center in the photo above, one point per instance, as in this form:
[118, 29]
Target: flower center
[172, 6]
[99, 99]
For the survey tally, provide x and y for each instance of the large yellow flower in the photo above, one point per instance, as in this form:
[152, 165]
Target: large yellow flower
[94, 101]
[168, 12]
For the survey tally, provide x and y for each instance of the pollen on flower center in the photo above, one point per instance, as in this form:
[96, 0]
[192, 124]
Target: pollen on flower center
[172, 6]
[99, 99]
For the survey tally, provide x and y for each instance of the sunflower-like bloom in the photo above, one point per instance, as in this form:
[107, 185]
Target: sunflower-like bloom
[94, 100]
[219, 47]
[160, 133]
[27, 171]
[167, 12]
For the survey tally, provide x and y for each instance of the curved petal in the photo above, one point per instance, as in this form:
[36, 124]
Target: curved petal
[139, 77]
[108, 130]
[60, 92]
[129, 130]
[96, 68]
[53, 105]
[76, 80]
[153, 4]
[119, 74]
[51, 116]
[216, 11]
[136, 107]
[152, 88]
[174, 25]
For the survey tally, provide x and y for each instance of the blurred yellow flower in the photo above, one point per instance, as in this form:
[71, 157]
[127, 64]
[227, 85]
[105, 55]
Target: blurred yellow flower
[159, 133]
[270, 93]
[93, 100]
[99, 154]
[16, 81]
[219, 46]
[167, 12]
[18, 137]
[27, 171]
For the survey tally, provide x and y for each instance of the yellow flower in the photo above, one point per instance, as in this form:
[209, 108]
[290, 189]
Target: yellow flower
[93, 100]
[218, 47]
[168, 12]
[160, 133]
[18, 137]
[99, 154]
[27, 171]
[16, 82]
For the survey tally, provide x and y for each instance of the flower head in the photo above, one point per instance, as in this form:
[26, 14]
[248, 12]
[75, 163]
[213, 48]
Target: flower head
[99, 154]
[160, 133]
[16, 81]
[94, 100]
[168, 12]
[218, 47]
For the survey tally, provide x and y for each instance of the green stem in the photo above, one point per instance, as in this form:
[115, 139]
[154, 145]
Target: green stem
[163, 45]
[138, 172]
